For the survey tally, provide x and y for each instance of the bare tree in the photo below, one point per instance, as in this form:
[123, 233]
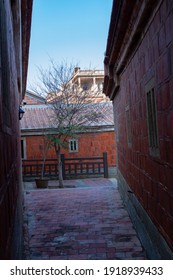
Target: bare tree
[73, 107]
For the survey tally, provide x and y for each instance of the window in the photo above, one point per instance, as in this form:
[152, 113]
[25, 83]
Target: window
[23, 148]
[152, 119]
[73, 145]
[86, 86]
[128, 127]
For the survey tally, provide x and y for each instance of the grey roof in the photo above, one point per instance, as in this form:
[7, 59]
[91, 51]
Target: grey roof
[40, 116]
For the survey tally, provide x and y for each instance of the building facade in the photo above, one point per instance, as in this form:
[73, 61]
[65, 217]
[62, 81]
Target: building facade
[90, 80]
[138, 79]
[97, 138]
[15, 23]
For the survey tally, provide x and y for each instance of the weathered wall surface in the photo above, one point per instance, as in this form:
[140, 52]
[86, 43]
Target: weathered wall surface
[150, 177]
[10, 182]
[13, 69]
[89, 145]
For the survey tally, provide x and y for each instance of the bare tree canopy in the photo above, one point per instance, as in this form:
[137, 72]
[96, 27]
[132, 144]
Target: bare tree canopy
[73, 106]
[53, 79]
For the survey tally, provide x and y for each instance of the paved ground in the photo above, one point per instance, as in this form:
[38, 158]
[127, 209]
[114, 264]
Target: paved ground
[86, 222]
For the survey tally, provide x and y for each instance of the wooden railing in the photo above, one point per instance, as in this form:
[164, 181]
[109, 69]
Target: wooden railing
[71, 167]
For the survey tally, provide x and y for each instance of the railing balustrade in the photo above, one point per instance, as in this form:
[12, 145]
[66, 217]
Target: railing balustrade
[71, 167]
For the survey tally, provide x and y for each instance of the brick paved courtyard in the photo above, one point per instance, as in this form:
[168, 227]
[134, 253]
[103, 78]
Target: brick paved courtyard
[86, 222]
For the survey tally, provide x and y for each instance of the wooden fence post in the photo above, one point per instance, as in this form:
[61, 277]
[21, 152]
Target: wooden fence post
[63, 166]
[105, 165]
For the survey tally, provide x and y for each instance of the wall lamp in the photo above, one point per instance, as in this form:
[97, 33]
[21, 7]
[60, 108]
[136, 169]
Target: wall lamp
[21, 113]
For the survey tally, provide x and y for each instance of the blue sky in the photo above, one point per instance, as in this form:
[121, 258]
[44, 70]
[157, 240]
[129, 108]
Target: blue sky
[72, 30]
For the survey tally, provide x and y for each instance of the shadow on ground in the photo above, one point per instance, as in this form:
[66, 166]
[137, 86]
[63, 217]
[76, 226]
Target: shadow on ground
[87, 222]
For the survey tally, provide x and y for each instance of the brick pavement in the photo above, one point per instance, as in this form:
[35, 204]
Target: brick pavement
[86, 222]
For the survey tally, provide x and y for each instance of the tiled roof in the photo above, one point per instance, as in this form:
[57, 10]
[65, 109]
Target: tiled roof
[38, 117]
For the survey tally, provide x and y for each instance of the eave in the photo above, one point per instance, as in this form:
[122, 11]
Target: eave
[26, 13]
[89, 129]
[129, 22]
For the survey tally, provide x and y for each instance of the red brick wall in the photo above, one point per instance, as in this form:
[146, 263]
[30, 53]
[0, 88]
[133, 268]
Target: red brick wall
[10, 177]
[90, 144]
[31, 100]
[151, 178]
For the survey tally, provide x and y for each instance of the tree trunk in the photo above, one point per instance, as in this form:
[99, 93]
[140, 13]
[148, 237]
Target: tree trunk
[58, 153]
[42, 169]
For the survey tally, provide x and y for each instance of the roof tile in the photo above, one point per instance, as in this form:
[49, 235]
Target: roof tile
[40, 116]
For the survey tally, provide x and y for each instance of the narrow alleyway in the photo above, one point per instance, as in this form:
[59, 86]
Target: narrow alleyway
[87, 222]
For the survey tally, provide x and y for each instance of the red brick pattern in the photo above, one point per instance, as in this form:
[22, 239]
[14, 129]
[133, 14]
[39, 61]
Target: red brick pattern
[89, 145]
[150, 178]
[87, 222]
[32, 99]
[9, 146]
[13, 70]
